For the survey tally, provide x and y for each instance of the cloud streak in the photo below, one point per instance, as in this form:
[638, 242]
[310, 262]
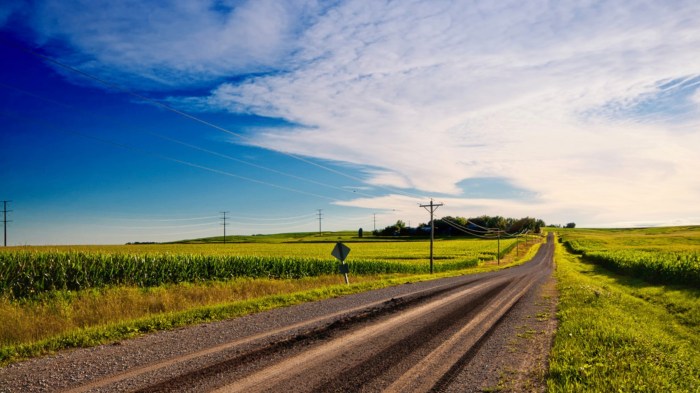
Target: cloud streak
[411, 88]
[171, 44]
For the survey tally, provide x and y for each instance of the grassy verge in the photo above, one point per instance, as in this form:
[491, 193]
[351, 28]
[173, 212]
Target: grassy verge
[621, 334]
[64, 319]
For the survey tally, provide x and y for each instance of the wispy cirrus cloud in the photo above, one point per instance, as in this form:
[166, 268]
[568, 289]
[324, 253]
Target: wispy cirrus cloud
[171, 44]
[589, 106]
[411, 87]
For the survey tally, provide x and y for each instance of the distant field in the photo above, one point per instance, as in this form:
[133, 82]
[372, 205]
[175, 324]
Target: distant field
[659, 255]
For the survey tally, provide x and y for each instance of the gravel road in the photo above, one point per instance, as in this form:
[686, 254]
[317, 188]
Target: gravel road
[455, 334]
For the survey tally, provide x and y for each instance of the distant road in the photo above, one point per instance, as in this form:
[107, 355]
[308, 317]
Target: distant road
[410, 338]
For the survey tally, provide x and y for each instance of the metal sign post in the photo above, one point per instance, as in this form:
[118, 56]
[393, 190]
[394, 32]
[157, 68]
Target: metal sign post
[341, 251]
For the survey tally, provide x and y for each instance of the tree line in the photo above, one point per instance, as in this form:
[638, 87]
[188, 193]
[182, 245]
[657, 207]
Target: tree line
[473, 226]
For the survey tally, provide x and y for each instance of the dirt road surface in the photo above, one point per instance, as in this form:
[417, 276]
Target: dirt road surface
[489, 331]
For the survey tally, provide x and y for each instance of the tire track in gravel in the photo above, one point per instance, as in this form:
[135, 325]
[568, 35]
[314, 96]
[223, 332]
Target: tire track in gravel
[309, 328]
[389, 353]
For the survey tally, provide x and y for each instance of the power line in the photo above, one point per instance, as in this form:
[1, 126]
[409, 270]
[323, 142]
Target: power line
[164, 219]
[157, 226]
[185, 114]
[468, 231]
[228, 157]
[195, 147]
[167, 158]
[273, 218]
[4, 219]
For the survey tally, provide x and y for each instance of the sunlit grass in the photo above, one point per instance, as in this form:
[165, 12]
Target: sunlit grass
[621, 334]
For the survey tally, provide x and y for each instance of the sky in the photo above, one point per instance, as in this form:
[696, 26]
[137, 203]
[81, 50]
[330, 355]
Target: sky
[128, 121]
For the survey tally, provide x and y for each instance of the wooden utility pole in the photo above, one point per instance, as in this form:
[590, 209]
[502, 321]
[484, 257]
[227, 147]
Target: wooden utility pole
[498, 232]
[431, 208]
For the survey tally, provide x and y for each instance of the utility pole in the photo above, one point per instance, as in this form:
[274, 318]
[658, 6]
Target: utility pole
[4, 219]
[498, 231]
[431, 208]
[224, 224]
[375, 220]
[320, 215]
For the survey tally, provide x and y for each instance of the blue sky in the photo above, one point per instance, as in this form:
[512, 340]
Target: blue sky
[566, 111]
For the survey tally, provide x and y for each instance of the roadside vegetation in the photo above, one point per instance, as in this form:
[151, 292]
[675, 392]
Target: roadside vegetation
[657, 255]
[61, 297]
[631, 332]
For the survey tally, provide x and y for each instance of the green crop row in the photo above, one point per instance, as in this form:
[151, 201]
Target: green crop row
[655, 267]
[24, 274]
[657, 255]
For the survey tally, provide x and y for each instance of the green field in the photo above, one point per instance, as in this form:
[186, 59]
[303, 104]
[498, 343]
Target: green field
[629, 311]
[657, 255]
[27, 272]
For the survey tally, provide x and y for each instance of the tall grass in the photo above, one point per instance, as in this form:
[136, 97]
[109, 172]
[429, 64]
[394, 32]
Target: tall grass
[655, 267]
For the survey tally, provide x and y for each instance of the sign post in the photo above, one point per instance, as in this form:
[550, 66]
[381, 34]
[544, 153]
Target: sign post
[341, 251]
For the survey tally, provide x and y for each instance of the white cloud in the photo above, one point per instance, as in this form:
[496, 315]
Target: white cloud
[440, 93]
[174, 43]
[430, 93]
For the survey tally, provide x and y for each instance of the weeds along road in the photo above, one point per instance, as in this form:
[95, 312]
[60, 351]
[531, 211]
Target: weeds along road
[411, 338]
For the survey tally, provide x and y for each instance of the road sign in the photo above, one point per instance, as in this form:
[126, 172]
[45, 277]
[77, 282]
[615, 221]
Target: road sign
[340, 251]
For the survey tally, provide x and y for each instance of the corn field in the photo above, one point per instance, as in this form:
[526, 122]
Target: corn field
[24, 273]
[657, 255]
[660, 268]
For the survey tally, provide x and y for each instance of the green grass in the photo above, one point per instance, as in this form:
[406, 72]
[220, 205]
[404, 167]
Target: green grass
[621, 334]
[662, 239]
[657, 255]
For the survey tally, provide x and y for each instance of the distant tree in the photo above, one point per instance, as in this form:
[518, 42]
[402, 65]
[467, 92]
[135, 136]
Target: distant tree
[570, 225]
[395, 230]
